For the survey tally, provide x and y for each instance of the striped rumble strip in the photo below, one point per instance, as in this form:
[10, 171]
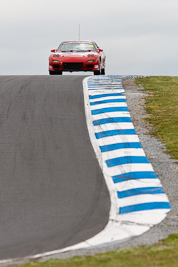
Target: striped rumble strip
[138, 200]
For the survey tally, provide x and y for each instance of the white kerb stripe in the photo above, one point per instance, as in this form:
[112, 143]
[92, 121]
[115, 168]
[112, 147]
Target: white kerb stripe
[113, 126]
[111, 115]
[141, 199]
[123, 153]
[137, 183]
[125, 168]
[117, 139]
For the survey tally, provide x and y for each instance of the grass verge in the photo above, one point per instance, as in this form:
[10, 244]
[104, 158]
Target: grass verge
[163, 254]
[162, 107]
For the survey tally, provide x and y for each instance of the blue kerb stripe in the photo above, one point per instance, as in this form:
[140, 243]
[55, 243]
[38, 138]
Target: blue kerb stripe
[144, 206]
[140, 191]
[106, 110]
[94, 89]
[120, 146]
[126, 160]
[134, 176]
[98, 87]
[115, 132]
[105, 85]
[107, 101]
[101, 88]
[104, 88]
[104, 95]
[111, 120]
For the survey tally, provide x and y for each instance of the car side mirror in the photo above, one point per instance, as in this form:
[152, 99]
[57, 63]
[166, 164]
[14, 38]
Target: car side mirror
[53, 50]
[100, 50]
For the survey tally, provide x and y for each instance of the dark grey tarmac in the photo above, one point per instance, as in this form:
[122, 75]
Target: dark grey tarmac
[52, 190]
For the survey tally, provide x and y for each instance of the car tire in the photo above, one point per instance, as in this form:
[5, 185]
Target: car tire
[96, 72]
[51, 72]
[55, 72]
[102, 71]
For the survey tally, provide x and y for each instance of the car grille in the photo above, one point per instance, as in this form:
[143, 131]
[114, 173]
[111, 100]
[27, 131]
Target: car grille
[56, 66]
[72, 66]
[90, 66]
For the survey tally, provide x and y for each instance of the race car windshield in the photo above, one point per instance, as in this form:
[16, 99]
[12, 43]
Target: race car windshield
[76, 47]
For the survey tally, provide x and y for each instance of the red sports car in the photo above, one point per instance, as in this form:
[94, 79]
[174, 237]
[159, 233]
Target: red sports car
[77, 56]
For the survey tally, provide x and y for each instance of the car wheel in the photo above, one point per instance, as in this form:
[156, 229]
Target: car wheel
[51, 72]
[102, 71]
[55, 72]
[96, 72]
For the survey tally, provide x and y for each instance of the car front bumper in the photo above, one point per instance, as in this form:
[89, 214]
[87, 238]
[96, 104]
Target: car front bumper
[73, 66]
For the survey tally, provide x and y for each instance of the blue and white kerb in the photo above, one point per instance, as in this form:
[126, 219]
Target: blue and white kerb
[137, 197]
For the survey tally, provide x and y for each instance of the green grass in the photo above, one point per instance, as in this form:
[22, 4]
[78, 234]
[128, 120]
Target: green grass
[162, 107]
[164, 254]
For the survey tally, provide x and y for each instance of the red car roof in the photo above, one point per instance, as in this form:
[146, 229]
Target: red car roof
[78, 41]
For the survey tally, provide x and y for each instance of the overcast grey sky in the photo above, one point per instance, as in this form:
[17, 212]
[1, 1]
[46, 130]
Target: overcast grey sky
[138, 36]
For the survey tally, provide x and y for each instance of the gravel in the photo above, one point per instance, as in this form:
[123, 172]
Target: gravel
[165, 167]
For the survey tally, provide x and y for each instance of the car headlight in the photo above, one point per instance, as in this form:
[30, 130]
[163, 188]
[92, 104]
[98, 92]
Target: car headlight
[90, 55]
[90, 61]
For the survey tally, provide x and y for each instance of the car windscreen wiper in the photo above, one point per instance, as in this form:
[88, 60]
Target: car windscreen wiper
[83, 50]
[67, 51]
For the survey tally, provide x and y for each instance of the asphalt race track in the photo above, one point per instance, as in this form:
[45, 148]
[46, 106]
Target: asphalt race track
[52, 190]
